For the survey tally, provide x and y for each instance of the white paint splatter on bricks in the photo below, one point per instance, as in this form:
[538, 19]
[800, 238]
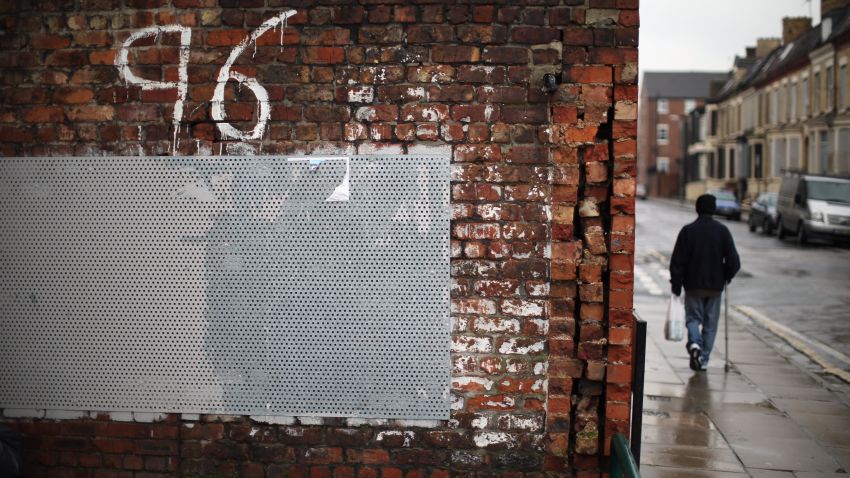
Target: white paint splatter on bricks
[473, 306]
[416, 94]
[457, 403]
[507, 402]
[516, 422]
[463, 382]
[407, 435]
[542, 326]
[479, 422]
[273, 419]
[538, 290]
[445, 132]
[469, 344]
[489, 324]
[423, 130]
[365, 113]
[486, 69]
[463, 363]
[487, 439]
[459, 324]
[511, 347]
[540, 385]
[354, 131]
[437, 149]
[240, 149]
[418, 423]
[225, 74]
[488, 112]
[490, 212]
[540, 368]
[430, 113]
[182, 83]
[362, 422]
[367, 148]
[65, 414]
[361, 94]
[522, 308]
[514, 366]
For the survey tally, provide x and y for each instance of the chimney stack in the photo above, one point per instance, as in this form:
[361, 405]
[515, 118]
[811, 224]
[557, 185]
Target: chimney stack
[766, 45]
[794, 27]
[751, 52]
[829, 6]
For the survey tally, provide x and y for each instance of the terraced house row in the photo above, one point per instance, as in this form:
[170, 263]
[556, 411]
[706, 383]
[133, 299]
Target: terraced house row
[784, 107]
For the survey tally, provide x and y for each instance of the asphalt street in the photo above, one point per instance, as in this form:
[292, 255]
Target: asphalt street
[798, 293]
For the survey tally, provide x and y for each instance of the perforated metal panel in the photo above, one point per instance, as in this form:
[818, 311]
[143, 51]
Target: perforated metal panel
[264, 285]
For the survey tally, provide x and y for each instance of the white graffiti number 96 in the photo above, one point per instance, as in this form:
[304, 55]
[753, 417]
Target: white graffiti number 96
[225, 74]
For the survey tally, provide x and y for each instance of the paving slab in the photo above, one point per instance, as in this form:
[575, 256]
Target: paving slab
[791, 454]
[842, 455]
[674, 472]
[757, 473]
[693, 457]
[681, 436]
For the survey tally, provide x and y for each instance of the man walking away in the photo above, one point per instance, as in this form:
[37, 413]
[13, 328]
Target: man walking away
[704, 261]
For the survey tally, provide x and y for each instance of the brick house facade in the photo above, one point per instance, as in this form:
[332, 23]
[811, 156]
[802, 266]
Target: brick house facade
[542, 192]
[666, 100]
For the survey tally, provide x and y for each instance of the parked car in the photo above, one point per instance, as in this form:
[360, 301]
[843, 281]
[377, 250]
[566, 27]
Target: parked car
[727, 205]
[640, 191]
[763, 213]
[810, 205]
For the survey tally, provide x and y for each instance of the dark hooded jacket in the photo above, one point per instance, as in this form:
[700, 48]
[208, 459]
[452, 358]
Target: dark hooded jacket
[704, 258]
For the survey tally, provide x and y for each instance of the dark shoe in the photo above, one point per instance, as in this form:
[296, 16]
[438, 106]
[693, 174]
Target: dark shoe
[695, 362]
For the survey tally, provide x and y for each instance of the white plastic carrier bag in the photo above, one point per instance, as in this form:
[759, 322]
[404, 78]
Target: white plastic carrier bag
[674, 327]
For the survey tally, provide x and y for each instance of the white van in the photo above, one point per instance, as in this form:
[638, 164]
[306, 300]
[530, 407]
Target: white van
[811, 206]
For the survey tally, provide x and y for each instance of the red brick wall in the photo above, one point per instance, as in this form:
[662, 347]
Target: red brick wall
[542, 191]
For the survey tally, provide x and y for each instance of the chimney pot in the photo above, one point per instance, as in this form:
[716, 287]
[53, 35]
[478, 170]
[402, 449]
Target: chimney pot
[766, 45]
[794, 27]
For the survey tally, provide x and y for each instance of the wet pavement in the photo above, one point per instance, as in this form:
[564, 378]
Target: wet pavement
[767, 417]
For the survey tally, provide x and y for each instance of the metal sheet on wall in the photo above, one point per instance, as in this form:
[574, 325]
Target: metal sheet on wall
[249, 285]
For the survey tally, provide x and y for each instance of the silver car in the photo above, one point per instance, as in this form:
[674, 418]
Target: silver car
[813, 206]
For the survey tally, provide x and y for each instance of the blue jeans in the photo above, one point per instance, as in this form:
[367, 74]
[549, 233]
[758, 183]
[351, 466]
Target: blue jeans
[702, 312]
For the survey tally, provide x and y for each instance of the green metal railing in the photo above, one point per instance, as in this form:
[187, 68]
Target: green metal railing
[622, 462]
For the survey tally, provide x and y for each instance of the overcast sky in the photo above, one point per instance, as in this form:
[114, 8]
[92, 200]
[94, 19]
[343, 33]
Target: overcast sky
[705, 35]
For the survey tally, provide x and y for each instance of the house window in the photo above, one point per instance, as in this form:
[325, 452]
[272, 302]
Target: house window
[794, 153]
[690, 105]
[662, 164]
[842, 156]
[732, 163]
[804, 94]
[816, 95]
[793, 114]
[830, 87]
[842, 87]
[663, 107]
[824, 152]
[777, 156]
[774, 106]
[662, 133]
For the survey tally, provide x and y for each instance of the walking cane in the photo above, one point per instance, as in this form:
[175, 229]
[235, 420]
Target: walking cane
[726, 324]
